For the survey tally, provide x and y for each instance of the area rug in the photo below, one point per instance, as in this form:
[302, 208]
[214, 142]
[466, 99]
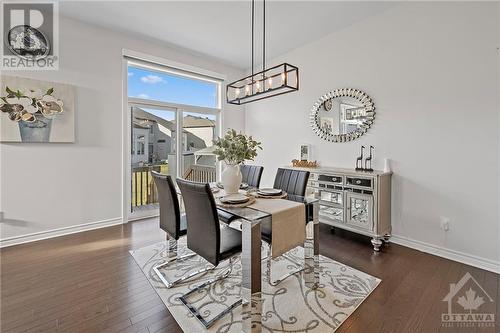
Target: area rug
[288, 307]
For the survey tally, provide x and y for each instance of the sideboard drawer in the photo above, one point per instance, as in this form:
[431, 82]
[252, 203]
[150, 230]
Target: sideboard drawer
[330, 179]
[361, 182]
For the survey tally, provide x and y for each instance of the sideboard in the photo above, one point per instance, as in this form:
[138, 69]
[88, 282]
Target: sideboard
[353, 200]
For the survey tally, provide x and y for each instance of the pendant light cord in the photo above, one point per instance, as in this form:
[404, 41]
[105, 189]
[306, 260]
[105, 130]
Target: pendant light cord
[264, 38]
[253, 5]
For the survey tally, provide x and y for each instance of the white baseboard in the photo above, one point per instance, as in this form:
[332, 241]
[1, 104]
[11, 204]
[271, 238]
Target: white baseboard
[58, 232]
[483, 263]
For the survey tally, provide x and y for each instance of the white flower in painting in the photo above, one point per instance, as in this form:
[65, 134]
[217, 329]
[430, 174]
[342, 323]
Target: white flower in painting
[152, 79]
[25, 102]
[34, 93]
[49, 105]
[27, 117]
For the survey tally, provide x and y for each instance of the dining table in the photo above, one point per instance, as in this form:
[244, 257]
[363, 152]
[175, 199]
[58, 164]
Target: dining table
[251, 219]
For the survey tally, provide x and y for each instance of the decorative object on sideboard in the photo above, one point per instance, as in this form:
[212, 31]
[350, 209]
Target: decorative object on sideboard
[269, 82]
[234, 148]
[368, 160]
[359, 160]
[387, 165]
[305, 152]
[36, 111]
[304, 164]
[342, 115]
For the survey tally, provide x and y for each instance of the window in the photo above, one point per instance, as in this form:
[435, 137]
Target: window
[167, 87]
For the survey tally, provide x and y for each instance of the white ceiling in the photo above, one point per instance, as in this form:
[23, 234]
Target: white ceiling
[221, 29]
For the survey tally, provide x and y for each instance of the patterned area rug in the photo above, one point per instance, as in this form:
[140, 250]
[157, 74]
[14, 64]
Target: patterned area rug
[288, 307]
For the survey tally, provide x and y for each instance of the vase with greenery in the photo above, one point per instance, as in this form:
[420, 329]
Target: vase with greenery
[234, 148]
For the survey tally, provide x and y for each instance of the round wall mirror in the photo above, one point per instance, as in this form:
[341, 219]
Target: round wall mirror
[342, 115]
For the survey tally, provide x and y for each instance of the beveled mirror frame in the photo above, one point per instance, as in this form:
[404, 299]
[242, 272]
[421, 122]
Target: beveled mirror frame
[344, 92]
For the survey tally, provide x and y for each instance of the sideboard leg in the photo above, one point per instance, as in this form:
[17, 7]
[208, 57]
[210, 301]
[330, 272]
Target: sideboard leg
[377, 242]
[387, 238]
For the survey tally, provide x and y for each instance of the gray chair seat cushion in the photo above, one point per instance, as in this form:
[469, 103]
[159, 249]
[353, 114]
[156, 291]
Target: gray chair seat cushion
[230, 241]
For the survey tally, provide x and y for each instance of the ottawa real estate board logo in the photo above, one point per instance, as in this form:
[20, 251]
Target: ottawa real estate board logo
[467, 303]
[30, 35]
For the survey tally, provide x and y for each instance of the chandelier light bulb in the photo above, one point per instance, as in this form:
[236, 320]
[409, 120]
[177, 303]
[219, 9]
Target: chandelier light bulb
[283, 77]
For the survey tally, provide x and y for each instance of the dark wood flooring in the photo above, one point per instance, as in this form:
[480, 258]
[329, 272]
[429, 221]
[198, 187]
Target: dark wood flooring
[88, 282]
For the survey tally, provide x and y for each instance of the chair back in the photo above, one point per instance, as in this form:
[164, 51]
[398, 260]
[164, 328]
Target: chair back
[251, 174]
[170, 216]
[203, 228]
[293, 182]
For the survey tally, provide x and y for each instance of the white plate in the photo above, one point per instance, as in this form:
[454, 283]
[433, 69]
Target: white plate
[234, 198]
[269, 191]
[242, 185]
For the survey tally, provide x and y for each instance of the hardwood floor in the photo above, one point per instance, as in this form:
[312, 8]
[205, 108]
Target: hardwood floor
[88, 282]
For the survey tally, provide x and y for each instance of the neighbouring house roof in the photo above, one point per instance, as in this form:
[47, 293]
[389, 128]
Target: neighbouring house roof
[190, 121]
[142, 117]
[205, 151]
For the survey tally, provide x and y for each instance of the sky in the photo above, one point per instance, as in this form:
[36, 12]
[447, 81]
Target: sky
[148, 84]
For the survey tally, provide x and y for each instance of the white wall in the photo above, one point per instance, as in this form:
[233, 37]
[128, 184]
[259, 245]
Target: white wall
[432, 70]
[50, 186]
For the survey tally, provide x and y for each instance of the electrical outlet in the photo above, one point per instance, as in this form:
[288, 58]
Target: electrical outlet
[445, 223]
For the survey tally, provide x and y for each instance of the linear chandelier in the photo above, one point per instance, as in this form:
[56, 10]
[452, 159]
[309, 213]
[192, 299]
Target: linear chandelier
[269, 82]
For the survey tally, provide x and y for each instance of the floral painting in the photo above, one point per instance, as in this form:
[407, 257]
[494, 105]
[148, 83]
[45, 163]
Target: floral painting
[36, 111]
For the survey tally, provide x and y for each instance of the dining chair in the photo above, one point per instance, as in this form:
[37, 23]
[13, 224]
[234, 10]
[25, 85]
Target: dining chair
[294, 183]
[206, 236]
[251, 174]
[171, 221]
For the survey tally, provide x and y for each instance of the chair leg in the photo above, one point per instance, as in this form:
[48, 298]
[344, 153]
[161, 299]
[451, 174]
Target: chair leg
[170, 284]
[171, 251]
[171, 254]
[284, 277]
[195, 311]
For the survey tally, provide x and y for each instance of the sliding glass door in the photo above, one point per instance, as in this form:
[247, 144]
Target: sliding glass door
[153, 148]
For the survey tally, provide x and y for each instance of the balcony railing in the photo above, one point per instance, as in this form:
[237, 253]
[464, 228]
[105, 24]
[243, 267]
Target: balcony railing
[143, 187]
[200, 173]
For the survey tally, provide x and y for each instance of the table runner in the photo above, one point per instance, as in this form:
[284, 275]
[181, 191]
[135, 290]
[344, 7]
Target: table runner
[288, 222]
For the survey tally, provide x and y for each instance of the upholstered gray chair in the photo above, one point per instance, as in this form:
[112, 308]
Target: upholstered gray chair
[207, 238]
[294, 183]
[251, 174]
[171, 221]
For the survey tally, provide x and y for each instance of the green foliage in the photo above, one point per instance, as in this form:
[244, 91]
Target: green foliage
[234, 148]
